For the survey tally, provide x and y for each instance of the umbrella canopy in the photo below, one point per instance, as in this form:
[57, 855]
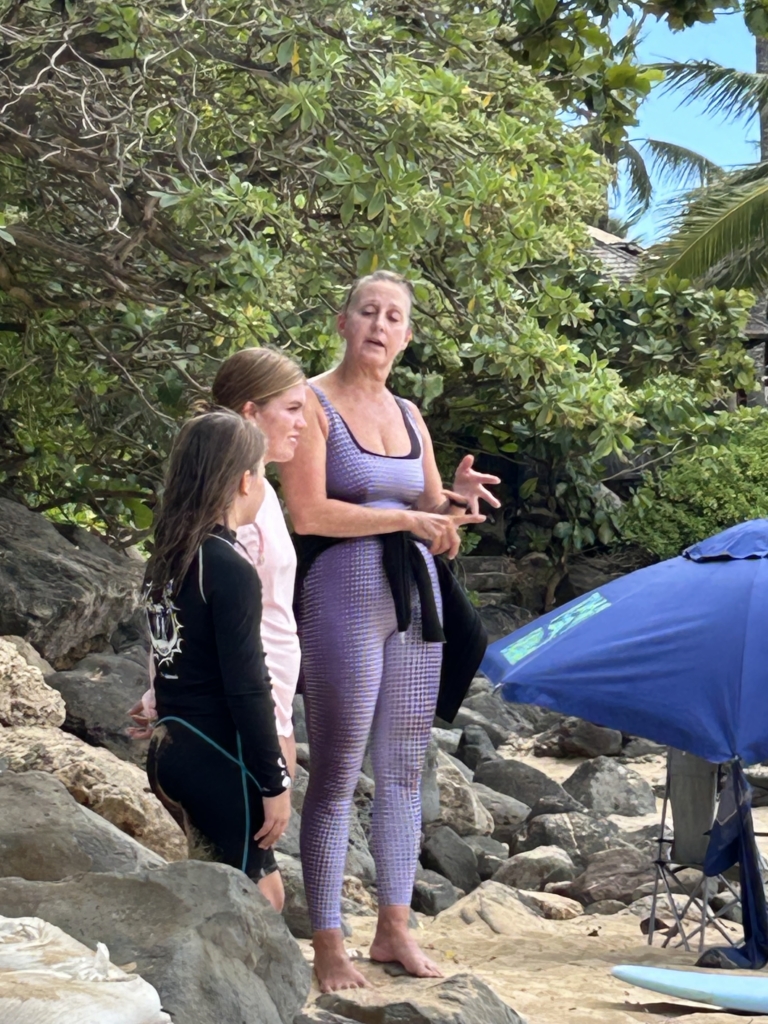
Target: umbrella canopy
[676, 652]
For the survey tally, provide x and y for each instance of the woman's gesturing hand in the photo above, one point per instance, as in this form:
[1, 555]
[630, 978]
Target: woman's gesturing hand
[277, 813]
[440, 532]
[471, 485]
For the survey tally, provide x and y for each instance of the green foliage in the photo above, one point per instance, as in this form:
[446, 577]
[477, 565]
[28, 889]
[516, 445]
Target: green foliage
[179, 181]
[721, 233]
[704, 491]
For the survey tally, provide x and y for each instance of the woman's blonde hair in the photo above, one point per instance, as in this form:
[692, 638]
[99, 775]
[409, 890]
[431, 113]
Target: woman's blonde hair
[377, 275]
[254, 375]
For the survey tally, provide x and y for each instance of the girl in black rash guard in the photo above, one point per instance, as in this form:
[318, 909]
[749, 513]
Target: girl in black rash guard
[215, 760]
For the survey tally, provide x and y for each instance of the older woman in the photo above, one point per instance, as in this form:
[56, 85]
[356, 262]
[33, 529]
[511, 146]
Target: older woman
[364, 476]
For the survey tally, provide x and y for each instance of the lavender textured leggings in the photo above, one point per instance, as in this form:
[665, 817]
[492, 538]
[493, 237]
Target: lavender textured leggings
[362, 678]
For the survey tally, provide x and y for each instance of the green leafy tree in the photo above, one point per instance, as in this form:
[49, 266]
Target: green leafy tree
[178, 181]
[705, 490]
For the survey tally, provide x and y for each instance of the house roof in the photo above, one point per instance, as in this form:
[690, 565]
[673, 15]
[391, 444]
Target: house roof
[621, 258]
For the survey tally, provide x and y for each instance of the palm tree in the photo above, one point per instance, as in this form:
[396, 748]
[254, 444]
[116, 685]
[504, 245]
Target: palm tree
[721, 233]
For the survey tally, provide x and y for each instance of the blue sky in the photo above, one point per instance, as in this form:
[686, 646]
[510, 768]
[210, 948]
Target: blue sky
[726, 41]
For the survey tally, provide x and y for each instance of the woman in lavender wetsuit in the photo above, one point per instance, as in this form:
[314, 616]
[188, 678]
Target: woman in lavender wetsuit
[365, 469]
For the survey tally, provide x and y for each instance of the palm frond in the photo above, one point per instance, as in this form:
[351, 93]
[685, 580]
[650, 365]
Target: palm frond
[679, 166]
[721, 235]
[640, 190]
[725, 91]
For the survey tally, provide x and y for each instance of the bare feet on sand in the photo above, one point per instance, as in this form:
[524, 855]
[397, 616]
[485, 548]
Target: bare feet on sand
[333, 967]
[393, 943]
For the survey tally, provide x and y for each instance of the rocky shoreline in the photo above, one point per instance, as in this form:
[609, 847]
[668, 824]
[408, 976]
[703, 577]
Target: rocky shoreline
[539, 834]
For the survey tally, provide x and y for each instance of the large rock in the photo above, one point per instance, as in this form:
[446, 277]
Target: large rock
[116, 790]
[288, 843]
[64, 596]
[295, 909]
[604, 786]
[564, 804]
[98, 692]
[25, 697]
[611, 875]
[508, 814]
[581, 835]
[430, 794]
[573, 737]
[447, 739]
[533, 869]
[300, 719]
[550, 905]
[45, 835]
[432, 893]
[456, 1000]
[490, 854]
[516, 779]
[466, 716]
[29, 654]
[499, 909]
[202, 934]
[359, 861]
[475, 746]
[460, 806]
[491, 705]
[448, 855]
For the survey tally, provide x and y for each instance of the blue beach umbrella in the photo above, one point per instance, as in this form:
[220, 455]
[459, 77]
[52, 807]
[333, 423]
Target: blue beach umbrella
[676, 652]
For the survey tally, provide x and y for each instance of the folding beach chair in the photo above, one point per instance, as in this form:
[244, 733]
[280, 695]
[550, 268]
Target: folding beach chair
[691, 795]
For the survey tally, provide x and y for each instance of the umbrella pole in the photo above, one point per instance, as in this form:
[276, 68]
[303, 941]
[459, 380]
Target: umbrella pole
[659, 861]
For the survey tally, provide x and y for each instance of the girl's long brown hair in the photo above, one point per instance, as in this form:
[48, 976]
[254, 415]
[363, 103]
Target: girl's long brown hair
[208, 459]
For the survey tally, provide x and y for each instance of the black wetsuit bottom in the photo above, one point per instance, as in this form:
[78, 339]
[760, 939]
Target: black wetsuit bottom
[203, 790]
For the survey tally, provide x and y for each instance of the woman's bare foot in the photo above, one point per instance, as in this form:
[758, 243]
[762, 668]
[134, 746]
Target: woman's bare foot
[333, 967]
[394, 943]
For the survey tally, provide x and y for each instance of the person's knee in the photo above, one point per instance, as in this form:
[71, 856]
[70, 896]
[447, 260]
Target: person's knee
[271, 886]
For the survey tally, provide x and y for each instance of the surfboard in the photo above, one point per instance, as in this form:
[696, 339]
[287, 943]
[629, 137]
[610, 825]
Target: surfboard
[724, 989]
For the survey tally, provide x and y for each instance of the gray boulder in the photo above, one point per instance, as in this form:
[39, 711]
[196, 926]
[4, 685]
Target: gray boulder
[295, 909]
[508, 813]
[201, 933]
[475, 746]
[573, 737]
[45, 835]
[299, 719]
[604, 908]
[447, 739]
[490, 854]
[456, 1000]
[519, 780]
[448, 855]
[365, 791]
[63, 596]
[581, 835]
[534, 869]
[299, 789]
[611, 875]
[288, 843]
[98, 692]
[491, 705]
[555, 805]
[466, 716]
[432, 893]
[430, 793]
[604, 786]
[360, 861]
[637, 747]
